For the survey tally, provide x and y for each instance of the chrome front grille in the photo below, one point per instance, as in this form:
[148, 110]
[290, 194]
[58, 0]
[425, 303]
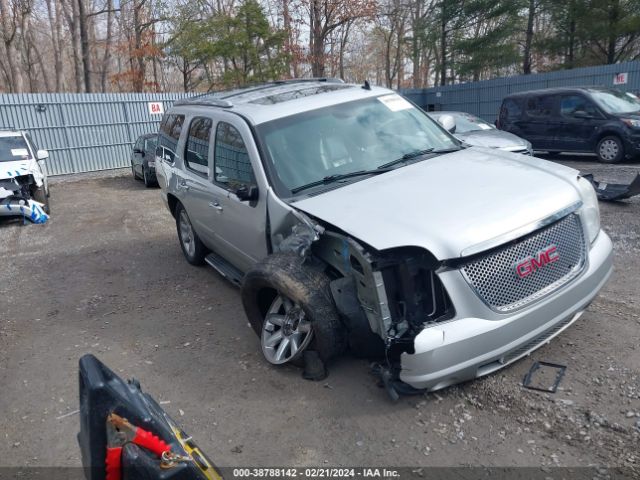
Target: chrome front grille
[495, 276]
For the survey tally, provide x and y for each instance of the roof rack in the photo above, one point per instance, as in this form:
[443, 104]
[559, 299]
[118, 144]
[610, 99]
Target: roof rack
[202, 100]
[219, 99]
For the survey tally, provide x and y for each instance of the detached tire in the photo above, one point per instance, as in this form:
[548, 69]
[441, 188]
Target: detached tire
[39, 195]
[610, 149]
[193, 249]
[284, 276]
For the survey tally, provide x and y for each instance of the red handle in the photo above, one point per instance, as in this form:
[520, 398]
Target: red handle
[151, 442]
[113, 463]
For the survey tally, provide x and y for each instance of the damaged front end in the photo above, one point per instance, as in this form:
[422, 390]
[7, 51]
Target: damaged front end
[16, 199]
[384, 298]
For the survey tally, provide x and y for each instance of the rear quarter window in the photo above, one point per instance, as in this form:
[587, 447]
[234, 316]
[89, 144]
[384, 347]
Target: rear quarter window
[168, 136]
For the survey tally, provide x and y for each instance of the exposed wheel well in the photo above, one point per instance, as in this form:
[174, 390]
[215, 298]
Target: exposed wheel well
[172, 201]
[608, 134]
[265, 299]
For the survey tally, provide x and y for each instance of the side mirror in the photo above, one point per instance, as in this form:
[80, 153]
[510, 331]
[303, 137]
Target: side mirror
[581, 114]
[138, 151]
[448, 122]
[244, 193]
[42, 155]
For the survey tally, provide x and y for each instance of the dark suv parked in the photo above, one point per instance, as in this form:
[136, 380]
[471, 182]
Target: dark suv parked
[589, 119]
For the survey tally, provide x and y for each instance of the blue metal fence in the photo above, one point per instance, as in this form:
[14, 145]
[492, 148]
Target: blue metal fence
[84, 132]
[87, 132]
[484, 98]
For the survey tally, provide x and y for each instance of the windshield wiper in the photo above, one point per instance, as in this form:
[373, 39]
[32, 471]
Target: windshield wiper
[337, 177]
[406, 156]
[419, 153]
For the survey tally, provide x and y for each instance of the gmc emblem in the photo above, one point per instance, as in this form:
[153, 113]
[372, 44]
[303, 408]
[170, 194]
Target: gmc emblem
[530, 265]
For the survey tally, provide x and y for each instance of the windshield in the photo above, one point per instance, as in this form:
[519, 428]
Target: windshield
[13, 148]
[465, 122]
[345, 138]
[615, 101]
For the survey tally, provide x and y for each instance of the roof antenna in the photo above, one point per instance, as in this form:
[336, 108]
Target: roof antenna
[366, 85]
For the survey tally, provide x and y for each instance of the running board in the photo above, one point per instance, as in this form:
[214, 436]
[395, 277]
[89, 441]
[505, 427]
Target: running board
[224, 268]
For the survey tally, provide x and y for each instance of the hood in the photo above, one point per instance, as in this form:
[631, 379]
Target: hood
[632, 115]
[492, 139]
[17, 168]
[447, 204]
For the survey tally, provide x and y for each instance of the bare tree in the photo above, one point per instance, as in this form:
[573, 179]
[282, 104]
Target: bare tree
[12, 18]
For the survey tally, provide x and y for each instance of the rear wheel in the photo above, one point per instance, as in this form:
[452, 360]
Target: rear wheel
[193, 249]
[610, 149]
[147, 181]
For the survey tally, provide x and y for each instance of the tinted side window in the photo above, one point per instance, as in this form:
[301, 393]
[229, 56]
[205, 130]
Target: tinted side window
[196, 155]
[139, 144]
[168, 136]
[540, 106]
[569, 104]
[510, 111]
[232, 164]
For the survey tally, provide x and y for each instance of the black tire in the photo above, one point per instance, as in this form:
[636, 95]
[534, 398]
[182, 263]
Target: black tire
[305, 285]
[195, 255]
[40, 195]
[145, 177]
[610, 149]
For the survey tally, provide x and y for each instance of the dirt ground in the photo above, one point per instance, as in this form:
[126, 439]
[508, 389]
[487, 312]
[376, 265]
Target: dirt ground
[106, 275]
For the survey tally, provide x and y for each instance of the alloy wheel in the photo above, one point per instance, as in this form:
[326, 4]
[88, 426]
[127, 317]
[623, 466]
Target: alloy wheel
[187, 235]
[286, 331]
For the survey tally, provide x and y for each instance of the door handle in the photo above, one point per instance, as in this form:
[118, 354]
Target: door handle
[183, 184]
[216, 205]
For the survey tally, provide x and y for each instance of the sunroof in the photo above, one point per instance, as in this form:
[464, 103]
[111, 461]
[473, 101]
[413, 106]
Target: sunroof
[298, 93]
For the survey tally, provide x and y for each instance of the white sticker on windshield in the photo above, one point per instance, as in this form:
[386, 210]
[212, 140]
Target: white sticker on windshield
[484, 126]
[395, 102]
[629, 94]
[19, 152]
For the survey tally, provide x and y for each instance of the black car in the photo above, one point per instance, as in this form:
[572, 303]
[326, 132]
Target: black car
[143, 159]
[588, 119]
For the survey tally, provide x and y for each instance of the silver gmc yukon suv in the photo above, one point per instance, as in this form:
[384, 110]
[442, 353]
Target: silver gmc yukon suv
[351, 220]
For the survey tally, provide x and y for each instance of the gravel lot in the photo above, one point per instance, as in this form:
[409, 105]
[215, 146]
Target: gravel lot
[106, 276]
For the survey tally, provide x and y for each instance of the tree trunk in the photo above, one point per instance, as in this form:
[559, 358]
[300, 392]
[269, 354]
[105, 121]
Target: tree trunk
[416, 26]
[40, 60]
[526, 63]
[84, 45]
[9, 37]
[139, 75]
[106, 58]
[71, 15]
[55, 22]
[343, 44]
[317, 40]
[614, 17]
[443, 44]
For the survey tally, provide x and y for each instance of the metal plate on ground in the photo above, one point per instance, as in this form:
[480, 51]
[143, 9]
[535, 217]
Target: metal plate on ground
[544, 377]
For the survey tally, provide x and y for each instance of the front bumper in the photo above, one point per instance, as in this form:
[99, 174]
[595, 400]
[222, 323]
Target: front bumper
[479, 341]
[632, 144]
